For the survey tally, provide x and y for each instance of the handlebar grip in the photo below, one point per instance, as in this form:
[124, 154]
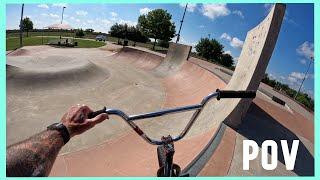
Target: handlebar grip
[235, 94]
[96, 113]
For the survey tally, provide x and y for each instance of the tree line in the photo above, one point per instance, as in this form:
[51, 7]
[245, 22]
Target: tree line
[156, 24]
[212, 51]
[303, 98]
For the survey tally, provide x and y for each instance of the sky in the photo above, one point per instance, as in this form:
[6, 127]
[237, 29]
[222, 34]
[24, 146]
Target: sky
[228, 23]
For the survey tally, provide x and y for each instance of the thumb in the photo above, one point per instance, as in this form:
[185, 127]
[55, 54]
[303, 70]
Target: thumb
[98, 119]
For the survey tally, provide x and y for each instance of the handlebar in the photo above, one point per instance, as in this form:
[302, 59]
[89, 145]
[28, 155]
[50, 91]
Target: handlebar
[235, 94]
[219, 94]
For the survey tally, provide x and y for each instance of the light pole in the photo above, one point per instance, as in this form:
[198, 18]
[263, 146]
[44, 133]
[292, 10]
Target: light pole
[181, 22]
[21, 25]
[62, 13]
[62, 20]
[305, 75]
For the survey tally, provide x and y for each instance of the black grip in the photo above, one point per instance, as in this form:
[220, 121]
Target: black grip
[96, 113]
[235, 94]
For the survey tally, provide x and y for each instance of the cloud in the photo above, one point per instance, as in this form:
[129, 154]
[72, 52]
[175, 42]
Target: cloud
[227, 52]
[113, 14]
[81, 13]
[225, 36]
[61, 5]
[295, 78]
[128, 22]
[201, 26]
[306, 49]
[234, 41]
[239, 13]
[90, 21]
[191, 7]
[297, 75]
[106, 22]
[144, 10]
[213, 11]
[50, 15]
[54, 15]
[44, 6]
[303, 61]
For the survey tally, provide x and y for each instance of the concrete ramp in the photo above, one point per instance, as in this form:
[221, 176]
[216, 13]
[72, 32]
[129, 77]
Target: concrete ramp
[138, 58]
[251, 67]
[252, 64]
[46, 73]
[177, 54]
[253, 61]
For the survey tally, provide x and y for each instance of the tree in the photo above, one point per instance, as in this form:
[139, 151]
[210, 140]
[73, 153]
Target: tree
[135, 35]
[157, 25]
[27, 25]
[204, 48]
[163, 43]
[79, 33]
[226, 60]
[117, 30]
[302, 97]
[217, 50]
[210, 49]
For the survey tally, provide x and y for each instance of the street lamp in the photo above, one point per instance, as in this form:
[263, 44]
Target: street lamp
[62, 13]
[21, 25]
[305, 75]
[62, 20]
[181, 22]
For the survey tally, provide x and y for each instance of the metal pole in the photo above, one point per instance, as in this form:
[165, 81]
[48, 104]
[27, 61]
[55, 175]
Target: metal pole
[61, 20]
[62, 14]
[21, 25]
[305, 75]
[181, 22]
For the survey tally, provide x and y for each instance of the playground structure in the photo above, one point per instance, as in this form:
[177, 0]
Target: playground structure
[42, 82]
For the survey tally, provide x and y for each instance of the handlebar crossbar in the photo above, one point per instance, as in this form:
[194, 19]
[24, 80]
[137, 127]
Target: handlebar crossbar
[129, 119]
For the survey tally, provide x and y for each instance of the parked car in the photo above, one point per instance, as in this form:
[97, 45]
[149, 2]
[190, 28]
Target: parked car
[101, 38]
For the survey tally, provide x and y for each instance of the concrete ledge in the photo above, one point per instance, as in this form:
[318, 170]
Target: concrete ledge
[196, 165]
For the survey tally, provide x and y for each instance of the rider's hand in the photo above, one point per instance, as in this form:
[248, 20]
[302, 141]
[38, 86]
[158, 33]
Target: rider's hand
[76, 119]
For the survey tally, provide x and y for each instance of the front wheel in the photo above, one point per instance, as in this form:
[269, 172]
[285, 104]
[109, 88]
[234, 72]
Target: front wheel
[175, 171]
[161, 156]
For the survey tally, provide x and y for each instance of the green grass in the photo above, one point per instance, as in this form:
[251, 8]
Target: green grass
[55, 33]
[13, 42]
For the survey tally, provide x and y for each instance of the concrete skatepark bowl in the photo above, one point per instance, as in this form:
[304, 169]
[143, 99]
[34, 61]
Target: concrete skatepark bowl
[43, 82]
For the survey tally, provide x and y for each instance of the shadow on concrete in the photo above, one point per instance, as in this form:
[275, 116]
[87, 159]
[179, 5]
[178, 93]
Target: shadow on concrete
[264, 127]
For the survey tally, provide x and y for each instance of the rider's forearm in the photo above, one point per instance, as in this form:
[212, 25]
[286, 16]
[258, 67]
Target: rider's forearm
[34, 156]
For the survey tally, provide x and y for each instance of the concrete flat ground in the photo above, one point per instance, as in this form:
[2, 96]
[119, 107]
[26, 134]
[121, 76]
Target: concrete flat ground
[43, 82]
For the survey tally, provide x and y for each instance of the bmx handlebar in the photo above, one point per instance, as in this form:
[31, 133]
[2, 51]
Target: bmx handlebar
[129, 119]
[235, 94]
